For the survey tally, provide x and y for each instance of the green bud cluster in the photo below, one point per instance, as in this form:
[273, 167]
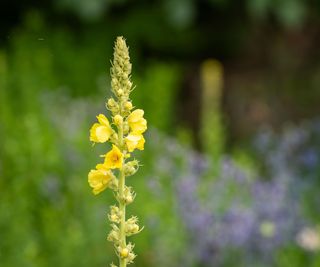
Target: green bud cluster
[126, 253]
[131, 167]
[132, 226]
[121, 70]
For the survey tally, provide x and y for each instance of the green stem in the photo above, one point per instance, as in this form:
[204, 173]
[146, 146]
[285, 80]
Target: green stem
[122, 205]
[122, 208]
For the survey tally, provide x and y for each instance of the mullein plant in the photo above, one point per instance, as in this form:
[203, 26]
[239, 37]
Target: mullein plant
[125, 133]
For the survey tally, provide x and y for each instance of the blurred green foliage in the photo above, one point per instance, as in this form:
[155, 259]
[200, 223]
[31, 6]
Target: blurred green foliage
[48, 214]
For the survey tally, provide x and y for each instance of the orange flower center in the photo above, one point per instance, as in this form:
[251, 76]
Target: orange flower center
[115, 157]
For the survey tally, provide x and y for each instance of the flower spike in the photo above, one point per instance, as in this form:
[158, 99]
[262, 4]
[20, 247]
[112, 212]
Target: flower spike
[125, 133]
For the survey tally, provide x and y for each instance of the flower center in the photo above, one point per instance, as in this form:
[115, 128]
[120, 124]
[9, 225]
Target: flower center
[115, 157]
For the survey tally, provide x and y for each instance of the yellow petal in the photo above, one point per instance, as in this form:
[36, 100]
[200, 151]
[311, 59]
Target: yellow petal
[141, 142]
[99, 180]
[139, 126]
[136, 121]
[133, 141]
[103, 133]
[114, 158]
[135, 116]
[93, 136]
[101, 167]
[133, 137]
[100, 133]
[103, 120]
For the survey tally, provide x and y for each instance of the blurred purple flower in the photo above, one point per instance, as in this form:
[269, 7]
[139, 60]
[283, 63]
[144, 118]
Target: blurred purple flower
[225, 208]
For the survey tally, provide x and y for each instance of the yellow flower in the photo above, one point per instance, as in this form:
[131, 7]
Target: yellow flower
[114, 158]
[136, 121]
[135, 140]
[100, 132]
[99, 179]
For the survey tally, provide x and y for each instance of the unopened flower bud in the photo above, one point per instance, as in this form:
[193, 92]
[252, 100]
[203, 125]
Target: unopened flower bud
[118, 120]
[135, 228]
[118, 70]
[128, 199]
[113, 236]
[113, 184]
[129, 84]
[124, 253]
[128, 105]
[115, 214]
[129, 170]
[114, 82]
[112, 105]
[131, 257]
[131, 167]
[115, 209]
[114, 218]
[128, 195]
[126, 127]
[128, 67]
[127, 252]
[111, 102]
[125, 76]
[132, 226]
[120, 92]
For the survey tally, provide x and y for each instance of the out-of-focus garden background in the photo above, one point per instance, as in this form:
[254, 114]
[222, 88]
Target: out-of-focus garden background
[231, 168]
